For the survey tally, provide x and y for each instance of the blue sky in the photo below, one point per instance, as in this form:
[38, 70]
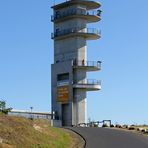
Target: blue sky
[26, 53]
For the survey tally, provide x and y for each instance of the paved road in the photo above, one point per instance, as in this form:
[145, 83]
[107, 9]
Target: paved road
[111, 138]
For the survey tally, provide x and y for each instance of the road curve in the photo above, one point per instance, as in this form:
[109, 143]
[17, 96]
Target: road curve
[111, 138]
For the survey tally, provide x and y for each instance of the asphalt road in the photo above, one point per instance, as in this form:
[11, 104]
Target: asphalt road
[111, 138]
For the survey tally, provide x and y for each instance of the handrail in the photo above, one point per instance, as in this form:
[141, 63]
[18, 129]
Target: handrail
[87, 63]
[75, 30]
[75, 12]
[89, 82]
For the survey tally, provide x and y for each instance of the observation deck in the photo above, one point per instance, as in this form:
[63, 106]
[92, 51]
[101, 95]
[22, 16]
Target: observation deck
[87, 33]
[87, 65]
[88, 84]
[90, 16]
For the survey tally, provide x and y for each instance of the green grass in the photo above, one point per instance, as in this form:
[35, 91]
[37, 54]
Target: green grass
[24, 133]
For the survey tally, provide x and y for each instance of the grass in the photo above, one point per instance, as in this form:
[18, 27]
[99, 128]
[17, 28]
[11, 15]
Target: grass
[18, 132]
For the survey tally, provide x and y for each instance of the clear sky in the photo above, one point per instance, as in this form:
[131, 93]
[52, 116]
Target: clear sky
[26, 53]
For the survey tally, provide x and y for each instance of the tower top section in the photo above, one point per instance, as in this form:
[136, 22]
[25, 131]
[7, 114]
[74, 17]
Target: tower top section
[90, 4]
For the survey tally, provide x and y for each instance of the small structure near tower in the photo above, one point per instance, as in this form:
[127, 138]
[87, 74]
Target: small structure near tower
[69, 82]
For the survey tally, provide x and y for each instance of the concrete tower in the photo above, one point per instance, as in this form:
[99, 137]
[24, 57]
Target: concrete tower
[69, 83]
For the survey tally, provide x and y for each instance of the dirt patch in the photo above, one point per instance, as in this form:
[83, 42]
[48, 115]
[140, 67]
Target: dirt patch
[4, 145]
[38, 128]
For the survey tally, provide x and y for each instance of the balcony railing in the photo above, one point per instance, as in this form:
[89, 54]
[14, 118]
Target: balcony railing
[76, 30]
[75, 12]
[88, 82]
[87, 63]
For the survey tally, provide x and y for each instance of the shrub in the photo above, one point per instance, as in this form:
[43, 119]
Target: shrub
[143, 130]
[118, 126]
[111, 125]
[146, 132]
[125, 126]
[138, 129]
[104, 125]
[95, 125]
[131, 128]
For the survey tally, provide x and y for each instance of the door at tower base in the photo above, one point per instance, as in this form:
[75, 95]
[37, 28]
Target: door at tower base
[63, 94]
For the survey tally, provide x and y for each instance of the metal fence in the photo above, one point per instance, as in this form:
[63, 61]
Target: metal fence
[76, 30]
[75, 12]
[31, 115]
[87, 63]
[89, 82]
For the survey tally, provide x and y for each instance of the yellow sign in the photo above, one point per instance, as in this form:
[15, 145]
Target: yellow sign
[63, 94]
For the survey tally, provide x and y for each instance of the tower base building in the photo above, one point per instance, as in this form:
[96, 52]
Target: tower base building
[69, 82]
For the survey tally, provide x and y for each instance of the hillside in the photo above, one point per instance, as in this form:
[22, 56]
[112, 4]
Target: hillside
[17, 132]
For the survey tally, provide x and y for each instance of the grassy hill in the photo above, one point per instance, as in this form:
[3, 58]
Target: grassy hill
[17, 132]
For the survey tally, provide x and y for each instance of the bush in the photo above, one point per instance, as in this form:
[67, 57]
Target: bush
[125, 126]
[131, 128]
[118, 126]
[104, 125]
[146, 132]
[95, 125]
[111, 125]
[143, 130]
[138, 129]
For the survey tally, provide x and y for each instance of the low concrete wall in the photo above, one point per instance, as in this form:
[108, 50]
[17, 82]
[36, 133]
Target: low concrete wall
[56, 123]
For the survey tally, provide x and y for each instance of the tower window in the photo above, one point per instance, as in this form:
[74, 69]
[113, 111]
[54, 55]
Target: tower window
[63, 77]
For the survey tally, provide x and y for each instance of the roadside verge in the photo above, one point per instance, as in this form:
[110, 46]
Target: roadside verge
[82, 140]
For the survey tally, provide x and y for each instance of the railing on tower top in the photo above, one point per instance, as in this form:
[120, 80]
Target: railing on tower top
[75, 12]
[75, 30]
[87, 63]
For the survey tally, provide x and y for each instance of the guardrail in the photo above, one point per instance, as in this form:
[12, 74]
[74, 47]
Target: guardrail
[89, 82]
[75, 12]
[31, 115]
[75, 30]
[87, 63]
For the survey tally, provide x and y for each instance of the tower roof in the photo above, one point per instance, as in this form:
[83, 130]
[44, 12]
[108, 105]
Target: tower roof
[88, 3]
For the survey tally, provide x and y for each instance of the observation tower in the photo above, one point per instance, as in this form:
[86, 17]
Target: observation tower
[69, 71]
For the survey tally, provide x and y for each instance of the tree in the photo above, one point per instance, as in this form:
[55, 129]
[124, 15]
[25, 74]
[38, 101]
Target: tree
[3, 108]
[2, 105]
